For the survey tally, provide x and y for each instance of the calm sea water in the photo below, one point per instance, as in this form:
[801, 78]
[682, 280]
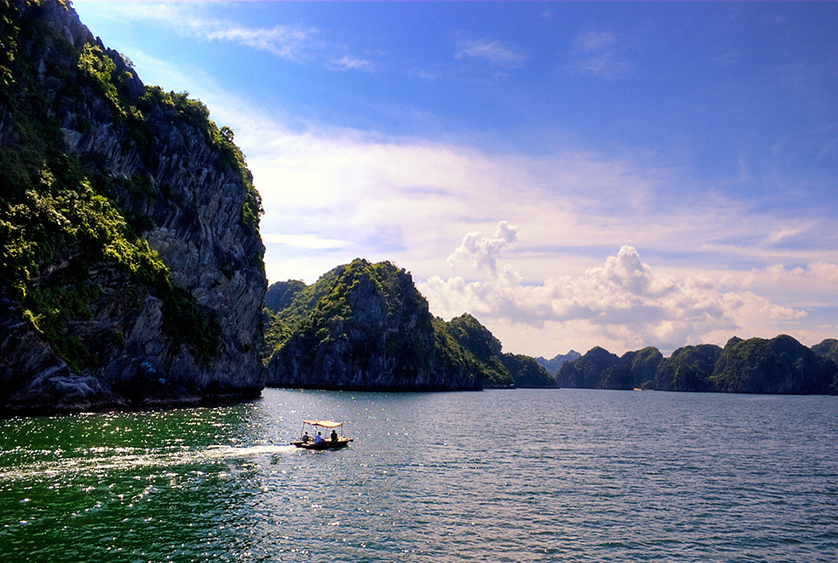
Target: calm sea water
[526, 475]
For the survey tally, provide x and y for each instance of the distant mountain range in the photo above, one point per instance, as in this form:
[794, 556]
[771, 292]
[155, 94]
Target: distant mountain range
[756, 365]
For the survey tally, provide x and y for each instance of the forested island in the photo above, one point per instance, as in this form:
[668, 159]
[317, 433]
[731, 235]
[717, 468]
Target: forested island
[366, 326]
[757, 365]
[132, 273]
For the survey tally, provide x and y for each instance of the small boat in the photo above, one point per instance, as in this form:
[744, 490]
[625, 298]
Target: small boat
[332, 442]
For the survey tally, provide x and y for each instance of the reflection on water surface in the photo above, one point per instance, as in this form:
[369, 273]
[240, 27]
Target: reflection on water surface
[526, 475]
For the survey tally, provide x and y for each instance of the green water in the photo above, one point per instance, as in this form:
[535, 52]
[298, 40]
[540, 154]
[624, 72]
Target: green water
[132, 487]
[549, 475]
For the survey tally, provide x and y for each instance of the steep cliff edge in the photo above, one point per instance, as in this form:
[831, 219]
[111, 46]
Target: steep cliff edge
[132, 271]
[366, 326]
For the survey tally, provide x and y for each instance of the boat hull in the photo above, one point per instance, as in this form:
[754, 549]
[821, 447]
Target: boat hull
[323, 445]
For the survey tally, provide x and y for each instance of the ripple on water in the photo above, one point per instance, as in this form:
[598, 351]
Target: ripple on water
[586, 476]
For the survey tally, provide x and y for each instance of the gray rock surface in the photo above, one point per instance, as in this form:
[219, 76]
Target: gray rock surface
[370, 330]
[193, 214]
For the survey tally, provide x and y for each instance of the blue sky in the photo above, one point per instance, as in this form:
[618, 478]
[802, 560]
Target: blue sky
[573, 174]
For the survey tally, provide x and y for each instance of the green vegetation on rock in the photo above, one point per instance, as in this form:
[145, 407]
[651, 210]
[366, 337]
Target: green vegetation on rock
[128, 226]
[828, 349]
[57, 214]
[756, 365]
[688, 369]
[474, 338]
[365, 326]
[779, 365]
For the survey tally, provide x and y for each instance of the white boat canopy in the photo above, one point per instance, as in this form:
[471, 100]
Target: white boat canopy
[323, 423]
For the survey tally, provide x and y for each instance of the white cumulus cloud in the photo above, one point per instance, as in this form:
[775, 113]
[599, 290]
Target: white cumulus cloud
[484, 251]
[623, 304]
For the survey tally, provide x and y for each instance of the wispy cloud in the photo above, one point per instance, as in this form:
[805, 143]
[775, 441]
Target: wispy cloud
[489, 49]
[599, 53]
[421, 73]
[785, 232]
[287, 42]
[729, 59]
[308, 242]
[348, 62]
[296, 43]
[813, 281]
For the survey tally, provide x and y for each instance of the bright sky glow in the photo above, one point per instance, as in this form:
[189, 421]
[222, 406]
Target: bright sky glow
[572, 174]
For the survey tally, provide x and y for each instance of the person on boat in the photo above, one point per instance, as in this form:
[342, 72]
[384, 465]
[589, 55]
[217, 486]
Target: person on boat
[334, 436]
[306, 437]
[318, 439]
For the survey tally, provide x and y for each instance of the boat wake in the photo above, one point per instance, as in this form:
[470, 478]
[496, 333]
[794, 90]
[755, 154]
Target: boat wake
[232, 451]
[106, 460]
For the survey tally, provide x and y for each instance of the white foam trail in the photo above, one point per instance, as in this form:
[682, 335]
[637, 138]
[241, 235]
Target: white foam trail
[232, 451]
[121, 461]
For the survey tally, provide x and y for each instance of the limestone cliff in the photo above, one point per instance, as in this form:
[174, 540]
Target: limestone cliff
[365, 326]
[500, 371]
[132, 271]
[587, 370]
[779, 365]
[756, 365]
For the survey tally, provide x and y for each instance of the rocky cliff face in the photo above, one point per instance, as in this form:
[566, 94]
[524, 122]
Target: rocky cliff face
[365, 326]
[586, 371]
[828, 349]
[779, 365]
[499, 370]
[526, 372]
[688, 369]
[132, 266]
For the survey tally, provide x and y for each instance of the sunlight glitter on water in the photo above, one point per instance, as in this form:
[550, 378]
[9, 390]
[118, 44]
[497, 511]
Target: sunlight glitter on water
[431, 477]
[105, 460]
